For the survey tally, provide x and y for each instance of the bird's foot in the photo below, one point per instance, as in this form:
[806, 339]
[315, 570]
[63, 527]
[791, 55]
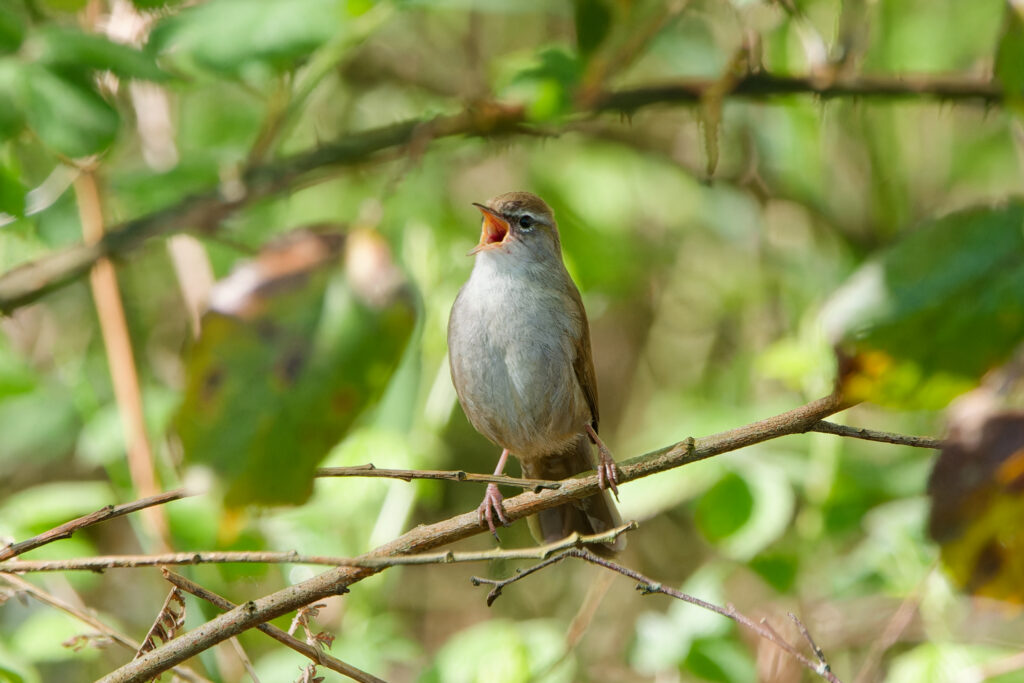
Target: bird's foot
[490, 507]
[607, 470]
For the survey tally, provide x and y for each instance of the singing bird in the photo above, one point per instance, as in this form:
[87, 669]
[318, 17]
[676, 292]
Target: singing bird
[519, 351]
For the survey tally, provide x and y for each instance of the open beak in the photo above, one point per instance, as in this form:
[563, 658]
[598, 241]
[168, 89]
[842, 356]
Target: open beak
[494, 231]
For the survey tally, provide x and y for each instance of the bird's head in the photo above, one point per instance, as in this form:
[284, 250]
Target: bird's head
[517, 222]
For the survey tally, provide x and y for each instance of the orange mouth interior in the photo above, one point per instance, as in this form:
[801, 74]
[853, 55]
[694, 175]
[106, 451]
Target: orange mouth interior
[493, 231]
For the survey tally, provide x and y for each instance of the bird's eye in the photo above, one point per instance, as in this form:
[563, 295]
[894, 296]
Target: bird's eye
[526, 221]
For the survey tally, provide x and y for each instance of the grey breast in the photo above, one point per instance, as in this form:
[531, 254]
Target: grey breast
[512, 362]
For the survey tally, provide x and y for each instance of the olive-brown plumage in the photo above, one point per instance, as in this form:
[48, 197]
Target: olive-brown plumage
[519, 349]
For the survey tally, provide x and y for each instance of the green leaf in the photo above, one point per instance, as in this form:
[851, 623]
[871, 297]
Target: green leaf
[948, 662]
[70, 48]
[544, 84]
[226, 36]
[504, 651]
[720, 659]
[1009, 64]
[777, 569]
[927, 319]
[12, 31]
[11, 118]
[12, 193]
[40, 425]
[67, 114]
[593, 20]
[284, 368]
[66, 5]
[36, 509]
[39, 638]
[725, 507]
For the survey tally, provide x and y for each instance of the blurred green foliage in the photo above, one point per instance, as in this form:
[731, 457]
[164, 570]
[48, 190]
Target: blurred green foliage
[706, 298]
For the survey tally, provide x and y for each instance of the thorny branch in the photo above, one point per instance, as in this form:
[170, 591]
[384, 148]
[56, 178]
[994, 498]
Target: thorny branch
[101, 563]
[647, 586]
[424, 538]
[205, 211]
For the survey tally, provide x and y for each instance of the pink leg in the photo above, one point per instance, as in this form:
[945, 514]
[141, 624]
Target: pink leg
[607, 470]
[491, 506]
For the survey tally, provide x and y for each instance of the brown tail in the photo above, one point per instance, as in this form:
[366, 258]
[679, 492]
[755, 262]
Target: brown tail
[588, 516]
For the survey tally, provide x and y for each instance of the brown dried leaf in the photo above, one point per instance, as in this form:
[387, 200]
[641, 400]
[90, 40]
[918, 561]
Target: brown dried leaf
[323, 640]
[309, 675]
[167, 623]
[977, 493]
[83, 640]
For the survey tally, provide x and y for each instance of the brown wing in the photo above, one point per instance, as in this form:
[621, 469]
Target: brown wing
[583, 364]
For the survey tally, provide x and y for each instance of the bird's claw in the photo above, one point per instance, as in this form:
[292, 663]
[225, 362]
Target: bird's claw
[608, 472]
[490, 507]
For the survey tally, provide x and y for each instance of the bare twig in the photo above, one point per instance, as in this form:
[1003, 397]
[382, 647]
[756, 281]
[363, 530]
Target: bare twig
[203, 212]
[646, 586]
[424, 538]
[120, 357]
[274, 632]
[244, 658]
[822, 662]
[110, 632]
[826, 427]
[448, 475]
[68, 528]
[101, 563]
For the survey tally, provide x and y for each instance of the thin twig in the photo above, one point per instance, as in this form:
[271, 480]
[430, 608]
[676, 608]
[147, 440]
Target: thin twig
[274, 632]
[115, 636]
[647, 586]
[822, 662]
[370, 470]
[30, 281]
[244, 658]
[424, 538]
[68, 528]
[894, 628]
[101, 563]
[826, 427]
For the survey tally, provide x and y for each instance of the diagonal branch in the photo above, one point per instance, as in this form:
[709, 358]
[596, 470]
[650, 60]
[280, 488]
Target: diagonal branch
[274, 632]
[424, 538]
[68, 528]
[204, 211]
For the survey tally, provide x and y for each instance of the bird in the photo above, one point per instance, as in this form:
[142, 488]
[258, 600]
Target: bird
[520, 359]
